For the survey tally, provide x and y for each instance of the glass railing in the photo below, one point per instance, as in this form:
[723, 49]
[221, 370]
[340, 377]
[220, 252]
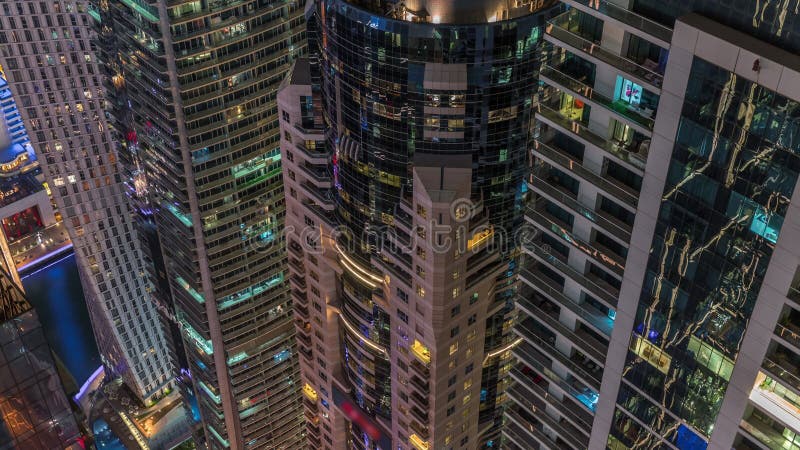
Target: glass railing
[565, 407]
[530, 334]
[588, 314]
[598, 290]
[613, 187]
[789, 335]
[550, 190]
[527, 354]
[583, 132]
[628, 17]
[593, 348]
[788, 375]
[566, 431]
[609, 260]
[559, 28]
[621, 109]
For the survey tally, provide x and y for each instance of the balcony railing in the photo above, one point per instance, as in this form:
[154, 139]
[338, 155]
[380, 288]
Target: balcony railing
[788, 375]
[573, 363]
[566, 431]
[636, 118]
[788, 335]
[612, 261]
[625, 16]
[562, 159]
[588, 345]
[620, 231]
[567, 408]
[604, 292]
[582, 133]
[584, 312]
[533, 358]
[592, 51]
[533, 429]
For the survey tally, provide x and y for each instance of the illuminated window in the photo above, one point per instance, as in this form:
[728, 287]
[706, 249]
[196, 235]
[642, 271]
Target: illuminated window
[651, 354]
[467, 383]
[453, 347]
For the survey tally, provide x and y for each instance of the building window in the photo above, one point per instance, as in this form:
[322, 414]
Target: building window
[454, 347]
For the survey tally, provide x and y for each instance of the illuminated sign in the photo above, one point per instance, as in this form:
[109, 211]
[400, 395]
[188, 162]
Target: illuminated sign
[364, 422]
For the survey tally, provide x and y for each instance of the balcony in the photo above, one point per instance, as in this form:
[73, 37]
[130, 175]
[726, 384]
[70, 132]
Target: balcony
[585, 398]
[317, 175]
[420, 430]
[553, 191]
[309, 392]
[784, 371]
[639, 119]
[538, 216]
[527, 385]
[538, 285]
[568, 432]
[420, 385]
[628, 155]
[419, 443]
[420, 368]
[297, 283]
[321, 198]
[604, 292]
[532, 430]
[765, 433]
[789, 332]
[421, 352]
[518, 437]
[545, 312]
[420, 415]
[555, 156]
[421, 400]
[558, 31]
[588, 372]
[605, 11]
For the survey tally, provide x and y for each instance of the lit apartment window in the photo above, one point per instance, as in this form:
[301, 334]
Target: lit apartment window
[453, 347]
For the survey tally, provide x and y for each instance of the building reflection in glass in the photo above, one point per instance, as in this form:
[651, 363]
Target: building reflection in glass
[732, 172]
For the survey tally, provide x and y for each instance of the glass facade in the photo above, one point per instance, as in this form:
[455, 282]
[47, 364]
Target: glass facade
[194, 88]
[394, 90]
[771, 21]
[34, 411]
[731, 176]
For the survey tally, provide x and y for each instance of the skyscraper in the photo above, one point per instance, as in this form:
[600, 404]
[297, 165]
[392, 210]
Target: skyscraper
[48, 56]
[659, 307]
[34, 411]
[404, 141]
[195, 85]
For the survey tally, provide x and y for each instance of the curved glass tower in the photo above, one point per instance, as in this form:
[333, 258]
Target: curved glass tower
[427, 110]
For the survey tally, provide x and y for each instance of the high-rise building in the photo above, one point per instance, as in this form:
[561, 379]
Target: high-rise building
[195, 86]
[404, 145]
[34, 411]
[660, 295]
[48, 56]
